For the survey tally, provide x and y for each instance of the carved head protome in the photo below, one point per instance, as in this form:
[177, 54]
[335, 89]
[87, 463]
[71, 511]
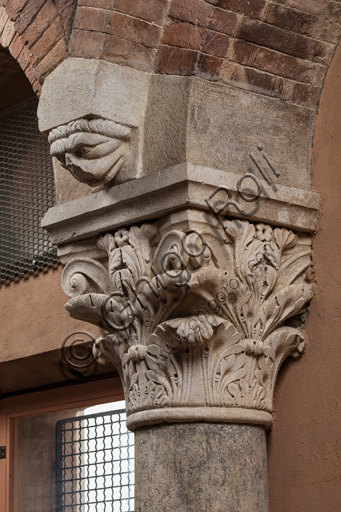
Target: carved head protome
[95, 151]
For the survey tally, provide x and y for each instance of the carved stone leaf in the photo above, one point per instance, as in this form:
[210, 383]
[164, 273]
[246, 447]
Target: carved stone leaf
[294, 266]
[106, 243]
[285, 238]
[195, 329]
[285, 341]
[106, 349]
[283, 304]
[87, 308]
[159, 379]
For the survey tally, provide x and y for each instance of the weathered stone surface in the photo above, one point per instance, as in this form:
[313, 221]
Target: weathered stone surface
[87, 103]
[95, 151]
[226, 126]
[84, 87]
[176, 120]
[200, 467]
[181, 186]
[195, 316]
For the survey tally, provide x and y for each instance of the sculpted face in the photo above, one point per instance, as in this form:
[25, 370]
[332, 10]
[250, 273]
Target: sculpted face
[93, 150]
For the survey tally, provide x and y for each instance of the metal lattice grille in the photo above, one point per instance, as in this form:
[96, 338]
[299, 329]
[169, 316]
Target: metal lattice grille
[26, 192]
[95, 464]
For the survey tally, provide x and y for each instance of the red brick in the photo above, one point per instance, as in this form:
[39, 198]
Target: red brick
[254, 80]
[313, 6]
[193, 11]
[135, 30]
[24, 58]
[66, 9]
[251, 8]
[16, 46]
[328, 29]
[289, 19]
[216, 44]
[152, 10]
[28, 13]
[278, 39]
[306, 95]
[51, 61]
[128, 53]
[3, 19]
[14, 7]
[104, 4]
[276, 63]
[45, 17]
[334, 10]
[208, 67]
[86, 44]
[222, 21]
[7, 34]
[35, 85]
[176, 61]
[184, 35]
[47, 41]
[87, 18]
[322, 52]
[204, 15]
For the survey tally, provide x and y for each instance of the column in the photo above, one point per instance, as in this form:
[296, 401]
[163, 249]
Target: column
[199, 274]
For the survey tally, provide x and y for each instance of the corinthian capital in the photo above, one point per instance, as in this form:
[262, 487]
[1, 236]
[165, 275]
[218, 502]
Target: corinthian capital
[198, 320]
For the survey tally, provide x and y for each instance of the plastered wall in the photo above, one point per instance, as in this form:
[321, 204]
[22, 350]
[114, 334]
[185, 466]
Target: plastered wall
[33, 327]
[304, 446]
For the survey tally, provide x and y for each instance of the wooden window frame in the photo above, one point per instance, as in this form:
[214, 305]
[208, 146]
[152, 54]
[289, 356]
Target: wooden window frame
[40, 402]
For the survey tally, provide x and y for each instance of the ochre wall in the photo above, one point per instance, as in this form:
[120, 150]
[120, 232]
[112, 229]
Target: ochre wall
[33, 316]
[34, 325]
[304, 446]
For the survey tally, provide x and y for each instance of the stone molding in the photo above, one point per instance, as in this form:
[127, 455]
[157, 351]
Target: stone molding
[181, 186]
[199, 319]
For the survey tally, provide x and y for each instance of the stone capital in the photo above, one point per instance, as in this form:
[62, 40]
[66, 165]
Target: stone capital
[199, 315]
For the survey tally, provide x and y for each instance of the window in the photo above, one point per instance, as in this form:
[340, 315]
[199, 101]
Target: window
[67, 453]
[94, 462]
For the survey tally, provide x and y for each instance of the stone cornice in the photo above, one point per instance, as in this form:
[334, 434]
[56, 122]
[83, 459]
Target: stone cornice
[199, 319]
[182, 186]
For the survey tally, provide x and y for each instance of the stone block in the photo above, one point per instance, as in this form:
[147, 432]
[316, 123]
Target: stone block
[227, 125]
[83, 87]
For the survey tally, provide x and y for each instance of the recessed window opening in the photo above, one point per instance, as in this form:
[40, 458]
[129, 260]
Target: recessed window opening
[26, 193]
[78, 460]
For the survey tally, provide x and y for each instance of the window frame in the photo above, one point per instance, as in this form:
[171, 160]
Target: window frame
[40, 402]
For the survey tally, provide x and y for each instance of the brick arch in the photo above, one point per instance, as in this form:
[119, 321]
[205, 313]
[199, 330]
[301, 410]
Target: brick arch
[279, 48]
[34, 33]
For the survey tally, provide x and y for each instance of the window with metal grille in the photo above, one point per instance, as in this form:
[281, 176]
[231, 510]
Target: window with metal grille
[26, 193]
[94, 464]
